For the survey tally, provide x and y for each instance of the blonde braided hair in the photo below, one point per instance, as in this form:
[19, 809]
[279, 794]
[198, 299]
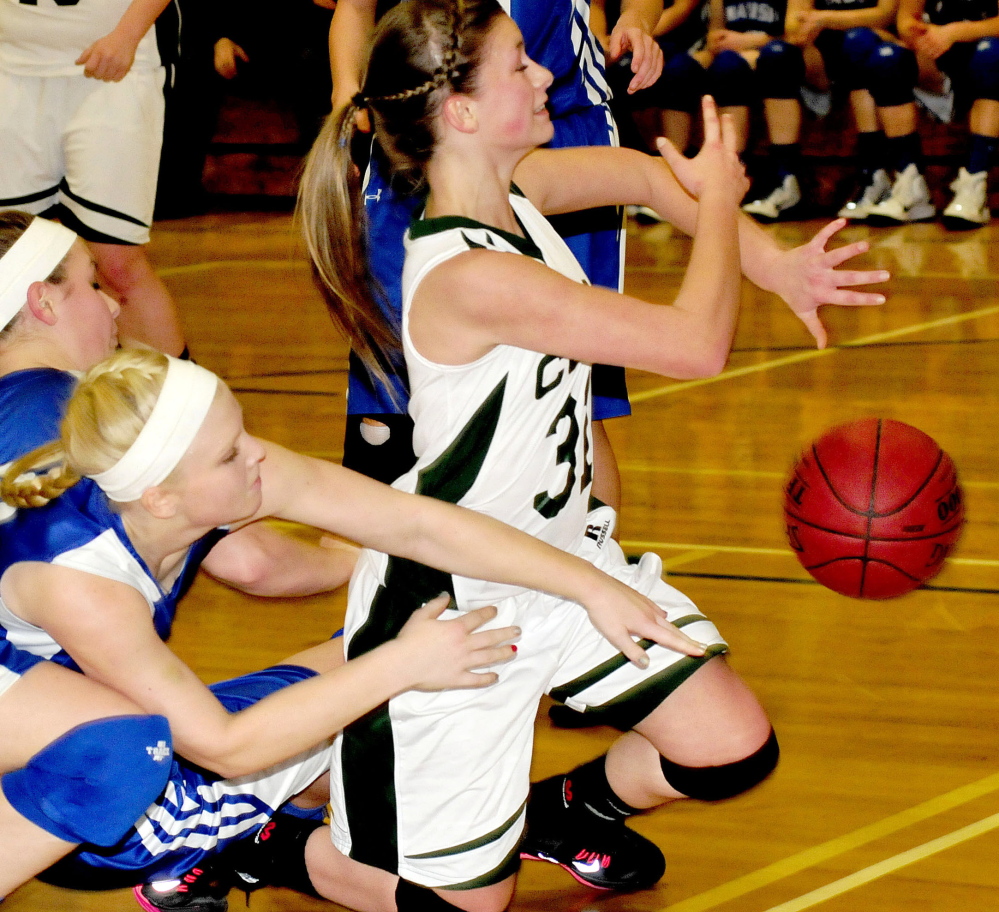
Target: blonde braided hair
[106, 412]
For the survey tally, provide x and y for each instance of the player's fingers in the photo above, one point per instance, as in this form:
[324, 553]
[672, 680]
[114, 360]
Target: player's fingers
[485, 639]
[860, 277]
[824, 234]
[633, 653]
[434, 608]
[475, 619]
[815, 327]
[669, 152]
[841, 254]
[474, 680]
[709, 111]
[483, 658]
[673, 638]
[845, 298]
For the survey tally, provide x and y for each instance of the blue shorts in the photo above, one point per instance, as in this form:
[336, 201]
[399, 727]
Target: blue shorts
[199, 814]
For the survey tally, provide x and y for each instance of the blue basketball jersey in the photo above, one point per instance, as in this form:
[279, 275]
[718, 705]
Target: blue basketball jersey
[78, 529]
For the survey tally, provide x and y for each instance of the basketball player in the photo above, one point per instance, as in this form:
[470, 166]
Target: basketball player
[378, 437]
[81, 122]
[499, 329]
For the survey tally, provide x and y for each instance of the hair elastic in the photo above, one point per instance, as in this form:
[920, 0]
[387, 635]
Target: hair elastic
[32, 258]
[187, 394]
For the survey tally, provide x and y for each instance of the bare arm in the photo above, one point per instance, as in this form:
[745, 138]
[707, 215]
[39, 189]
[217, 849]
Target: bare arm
[105, 626]
[261, 560]
[806, 277]
[809, 21]
[910, 20]
[456, 540]
[110, 58]
[350, 30]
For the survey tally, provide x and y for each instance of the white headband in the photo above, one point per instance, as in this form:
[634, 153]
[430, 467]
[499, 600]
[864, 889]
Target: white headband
[175, 420]
[32, 258]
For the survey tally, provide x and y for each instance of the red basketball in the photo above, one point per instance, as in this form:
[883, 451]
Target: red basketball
[873, 508]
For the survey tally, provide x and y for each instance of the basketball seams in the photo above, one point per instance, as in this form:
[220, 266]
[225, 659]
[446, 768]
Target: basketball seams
[873, 553]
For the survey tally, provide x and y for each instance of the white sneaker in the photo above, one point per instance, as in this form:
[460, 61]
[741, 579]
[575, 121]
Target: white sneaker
[874, 188]
[783, 197]
[908, 201]
[970, 206]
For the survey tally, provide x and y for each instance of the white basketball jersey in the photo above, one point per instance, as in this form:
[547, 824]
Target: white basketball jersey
[509, 434]
[45, 38]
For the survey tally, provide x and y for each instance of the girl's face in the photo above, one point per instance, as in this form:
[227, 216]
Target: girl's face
[86, 315]
[512, 90]
[218, 480]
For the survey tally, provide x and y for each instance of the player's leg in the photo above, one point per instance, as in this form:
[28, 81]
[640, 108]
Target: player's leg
[111, 147]
[891, 76]
[977, 80]
[685, 713]
[780, 73]
[873, 183]
[148, 313]
[79, 762]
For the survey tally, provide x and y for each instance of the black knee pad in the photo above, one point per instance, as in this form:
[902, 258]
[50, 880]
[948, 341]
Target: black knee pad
[715, 783]
[780, 70]
[682, 84]
[983, 70]
[732, 81]
[891, 75]
[409, 897]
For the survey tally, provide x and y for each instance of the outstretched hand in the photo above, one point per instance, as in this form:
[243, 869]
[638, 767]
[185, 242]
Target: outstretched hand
[718, 158]
[443, 654]
[808, 276]
[620, 614]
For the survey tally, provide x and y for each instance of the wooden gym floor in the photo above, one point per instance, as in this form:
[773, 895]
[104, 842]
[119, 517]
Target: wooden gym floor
[887, 797]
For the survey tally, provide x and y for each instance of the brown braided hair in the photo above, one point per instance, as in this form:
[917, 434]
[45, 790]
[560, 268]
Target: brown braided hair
[423, 51]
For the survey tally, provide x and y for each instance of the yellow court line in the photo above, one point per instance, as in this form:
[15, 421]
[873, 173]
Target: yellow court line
[799, 357]
[819, 854]
[866, 875]
[633, 545]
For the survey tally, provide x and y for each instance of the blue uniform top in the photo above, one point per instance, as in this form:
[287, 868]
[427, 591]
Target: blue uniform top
[756, 16]
[78, 529]
[31, 407]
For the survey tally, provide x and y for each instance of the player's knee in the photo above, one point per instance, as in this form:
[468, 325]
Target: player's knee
[684, 82]
[891, 73]
[780, 70]
[983, 70]
[95, 781]
[410, 897]
[715, 783]
[731, 80]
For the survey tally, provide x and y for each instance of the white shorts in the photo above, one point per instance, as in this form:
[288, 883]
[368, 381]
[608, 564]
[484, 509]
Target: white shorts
[450, 798]
[91, 146]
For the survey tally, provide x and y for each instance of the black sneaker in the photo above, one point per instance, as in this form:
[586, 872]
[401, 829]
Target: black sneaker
[200, 890]
[274, 856]
[605, 856]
